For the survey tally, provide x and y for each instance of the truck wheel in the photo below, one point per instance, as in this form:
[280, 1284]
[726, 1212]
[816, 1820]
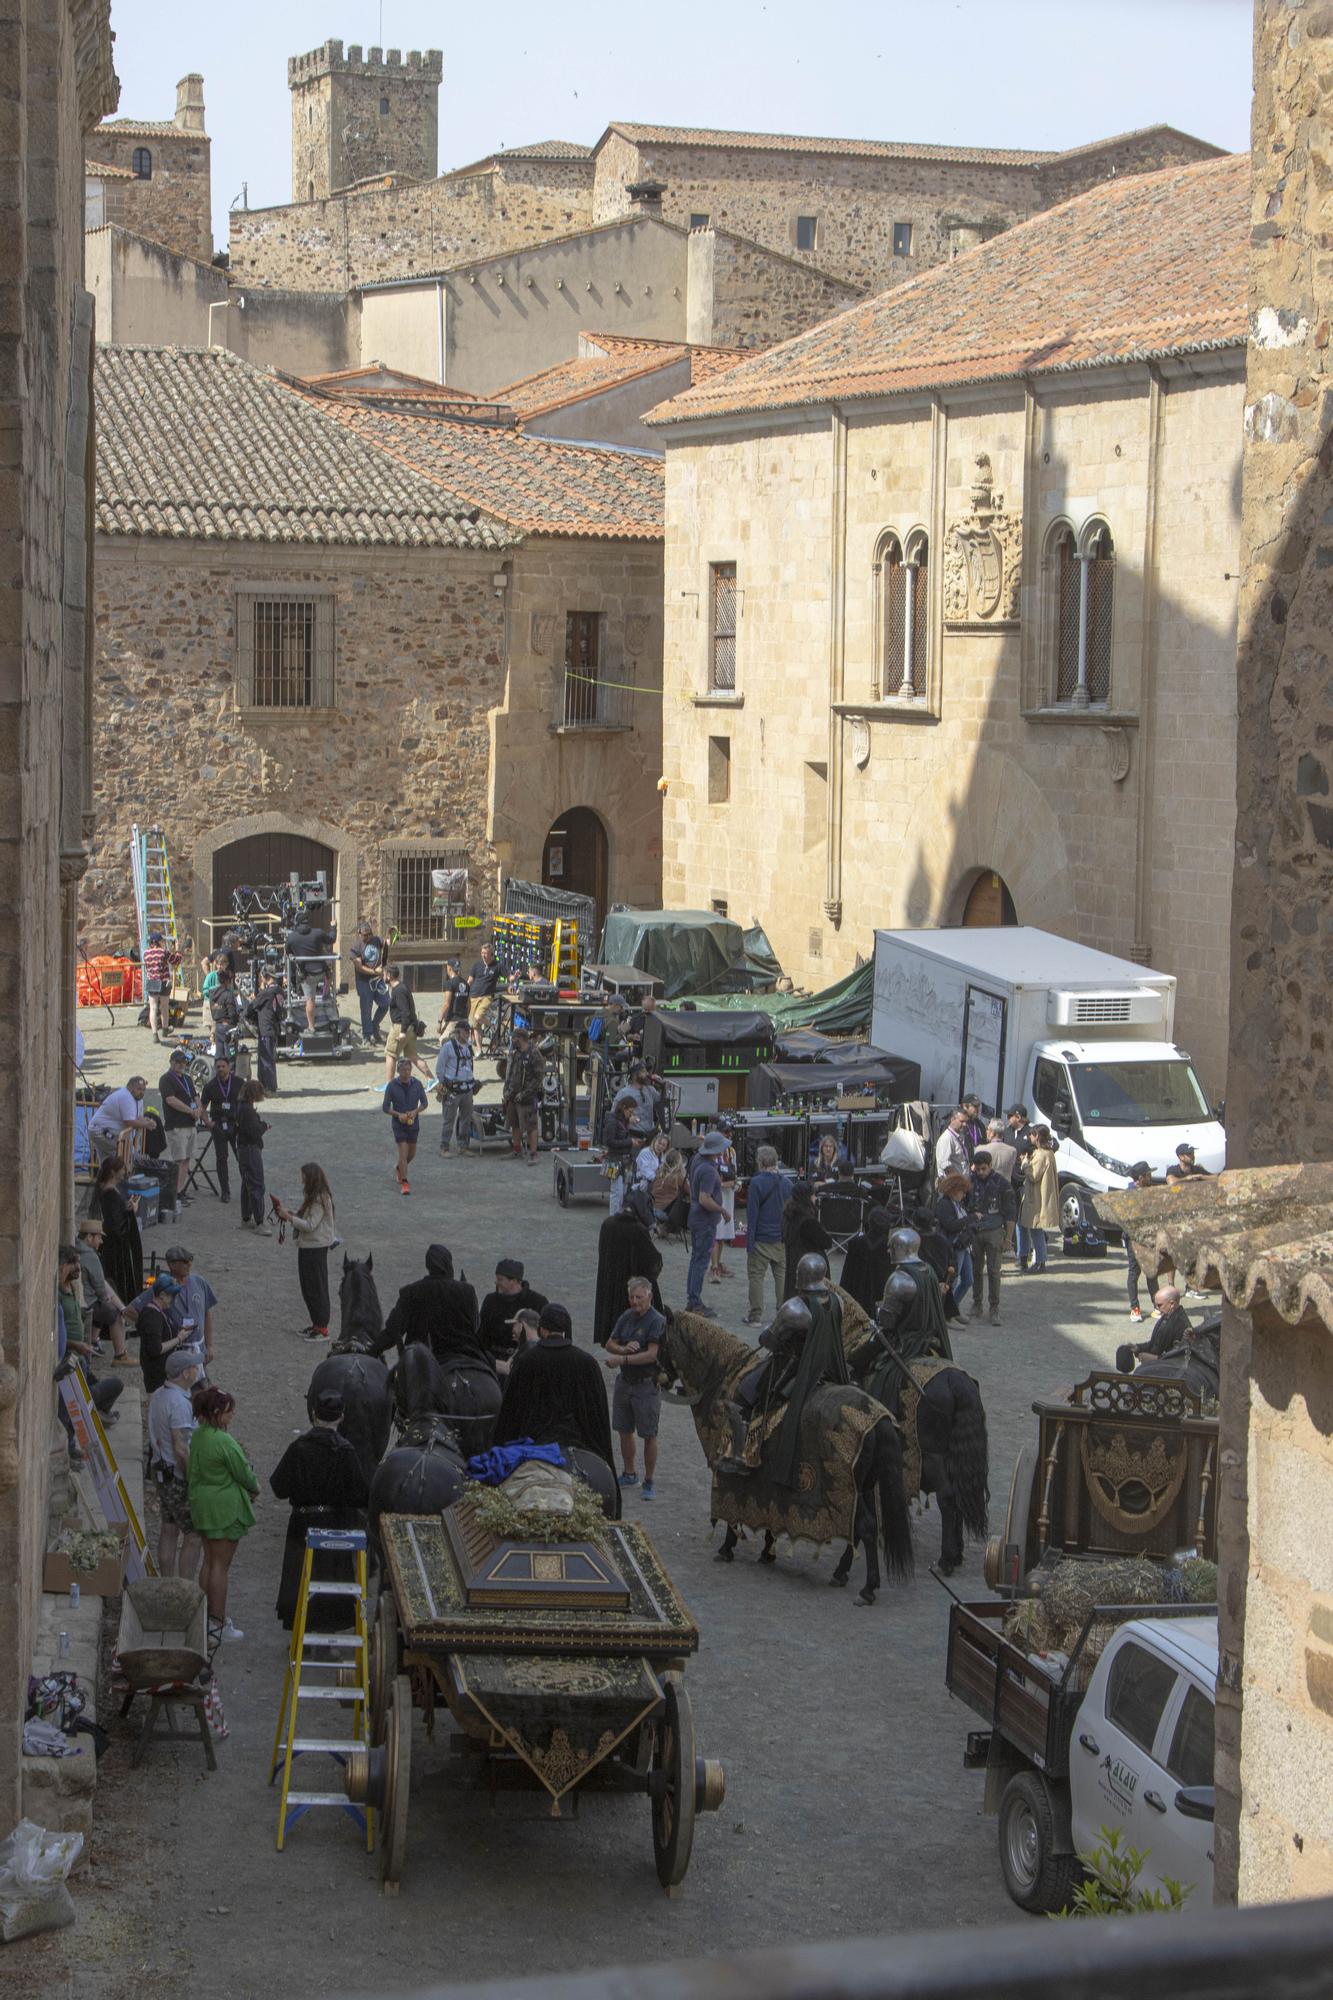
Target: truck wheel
[1037, 1878]
[1076, 1208]
[562, 1190]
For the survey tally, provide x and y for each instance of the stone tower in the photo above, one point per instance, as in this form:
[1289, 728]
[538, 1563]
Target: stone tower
[355, 115]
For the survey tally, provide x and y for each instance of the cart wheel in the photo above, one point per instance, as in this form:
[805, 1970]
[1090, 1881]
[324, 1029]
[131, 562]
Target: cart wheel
[383, 1663]
[397, 1782]
[562, 1189]
[201, 1071]
[673, 1807]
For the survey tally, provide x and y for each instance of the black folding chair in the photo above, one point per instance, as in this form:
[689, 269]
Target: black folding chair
[842, 1213]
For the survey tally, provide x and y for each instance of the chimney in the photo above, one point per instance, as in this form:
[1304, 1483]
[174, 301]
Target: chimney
[190, 103]
[647, 195]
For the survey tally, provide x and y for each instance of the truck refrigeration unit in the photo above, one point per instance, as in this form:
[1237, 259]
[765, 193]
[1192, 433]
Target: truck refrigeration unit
[1083, 1039]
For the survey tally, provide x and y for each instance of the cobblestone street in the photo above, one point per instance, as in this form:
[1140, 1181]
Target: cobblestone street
[847, 1810]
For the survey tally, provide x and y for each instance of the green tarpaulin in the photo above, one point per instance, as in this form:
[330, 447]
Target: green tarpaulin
[841, 1009]
[685, 949]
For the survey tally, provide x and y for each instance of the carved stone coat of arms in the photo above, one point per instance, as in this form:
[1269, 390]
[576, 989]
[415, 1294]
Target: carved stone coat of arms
[983, 558]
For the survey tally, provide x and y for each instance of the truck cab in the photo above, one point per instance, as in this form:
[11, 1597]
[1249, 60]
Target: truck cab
[1110, 1104]
[1142, 1752]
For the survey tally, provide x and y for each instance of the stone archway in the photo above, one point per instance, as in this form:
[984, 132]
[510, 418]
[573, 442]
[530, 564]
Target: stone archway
[304, 826]
[1003, 825]
[576, 856]
[988, 902]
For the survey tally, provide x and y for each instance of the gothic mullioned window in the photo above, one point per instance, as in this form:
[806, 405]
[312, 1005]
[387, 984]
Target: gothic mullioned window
[903, 595]
[1081, 580]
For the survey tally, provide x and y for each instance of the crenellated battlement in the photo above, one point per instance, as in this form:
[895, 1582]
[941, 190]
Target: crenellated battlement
[330, 59]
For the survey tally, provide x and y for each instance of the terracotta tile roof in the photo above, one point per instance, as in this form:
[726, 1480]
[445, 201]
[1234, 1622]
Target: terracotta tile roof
[1153, 264]
[377, 379]
[887, 149]
[1263, 1234]
[148, 128]
[535, 485]
[109, 173]
[541, 149]
[621, 358]
[195, 444]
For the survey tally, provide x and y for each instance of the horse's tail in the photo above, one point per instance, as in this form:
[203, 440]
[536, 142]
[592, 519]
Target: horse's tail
[967, 1456]
[895, 1521]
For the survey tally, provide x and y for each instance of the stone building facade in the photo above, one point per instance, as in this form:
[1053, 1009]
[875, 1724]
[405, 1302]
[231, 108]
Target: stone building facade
[838, 762]
[429, 723]
[1275, 1696]
[355, 115]
[58, 81]
[155, 178]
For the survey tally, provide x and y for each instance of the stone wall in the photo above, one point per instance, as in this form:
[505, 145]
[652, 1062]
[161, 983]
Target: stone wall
[759, 193]
[420, 661]
[174, 206]
[56, 81]
[377, 233]
[354, 117]
[540, 769]
[742, 295]
[1275, 1699]
[980, 774]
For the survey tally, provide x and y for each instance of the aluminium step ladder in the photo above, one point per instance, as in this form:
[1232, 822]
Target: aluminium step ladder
[348, 1665]
[154, 904]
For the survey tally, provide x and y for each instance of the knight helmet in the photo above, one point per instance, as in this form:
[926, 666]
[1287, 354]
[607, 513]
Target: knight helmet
[812, 1275]
[905, 1246]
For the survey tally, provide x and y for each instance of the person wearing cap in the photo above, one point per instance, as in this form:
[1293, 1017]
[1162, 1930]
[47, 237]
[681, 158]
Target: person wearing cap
[158, 964]
[555, 1393]
[706, 1207]
[103, 1309]
[193, 1310]
[171, 1423]
[512, 1295]
[371, 992]
[181, 1116]
[157, 1340]
[1189, 1166]
[404, 1101]
[521, 1097]
[456, 1086]
[322, 1477]
[1140, 1176]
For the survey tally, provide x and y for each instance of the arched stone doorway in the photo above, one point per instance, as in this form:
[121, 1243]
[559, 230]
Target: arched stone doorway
[575, 856]
[265, 847]
[988, 903]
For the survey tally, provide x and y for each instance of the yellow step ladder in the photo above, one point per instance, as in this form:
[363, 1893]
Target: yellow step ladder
[350, 1682]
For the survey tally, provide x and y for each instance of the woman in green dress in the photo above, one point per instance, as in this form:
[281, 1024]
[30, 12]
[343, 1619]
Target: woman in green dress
[222, 1487]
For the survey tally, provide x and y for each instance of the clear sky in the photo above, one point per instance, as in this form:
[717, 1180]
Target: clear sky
[1040, 73]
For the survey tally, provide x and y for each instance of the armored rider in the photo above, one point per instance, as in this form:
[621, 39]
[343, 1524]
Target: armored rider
[922, 1329]
[804, 1351]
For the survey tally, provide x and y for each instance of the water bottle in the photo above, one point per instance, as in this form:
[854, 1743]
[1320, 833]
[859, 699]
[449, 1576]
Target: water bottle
[74, 1592]
[62, 1646]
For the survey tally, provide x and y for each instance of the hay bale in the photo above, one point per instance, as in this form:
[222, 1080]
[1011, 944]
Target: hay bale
[1070, 1591]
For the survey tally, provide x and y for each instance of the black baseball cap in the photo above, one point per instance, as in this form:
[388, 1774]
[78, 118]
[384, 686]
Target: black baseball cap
[556, 1319]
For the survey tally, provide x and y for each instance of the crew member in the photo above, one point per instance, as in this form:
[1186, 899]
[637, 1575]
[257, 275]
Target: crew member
[522, 1097]
[221, 1101]
[307, 943]
[483, 985]
[404, 1101]
[512, 1295]
[368, 971]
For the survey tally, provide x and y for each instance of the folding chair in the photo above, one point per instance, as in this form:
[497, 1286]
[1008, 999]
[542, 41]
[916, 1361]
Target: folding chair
[842, 1214]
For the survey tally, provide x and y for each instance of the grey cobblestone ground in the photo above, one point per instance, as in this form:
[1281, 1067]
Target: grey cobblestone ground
[847, 1809]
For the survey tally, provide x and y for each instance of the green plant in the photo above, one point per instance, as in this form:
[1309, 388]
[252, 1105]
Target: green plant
[1111, 1889]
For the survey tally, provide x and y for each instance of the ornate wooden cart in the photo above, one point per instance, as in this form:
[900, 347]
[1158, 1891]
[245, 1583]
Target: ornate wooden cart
[1122, 1466]
[561, 1663]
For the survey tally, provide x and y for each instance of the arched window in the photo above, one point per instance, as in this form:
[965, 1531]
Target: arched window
[903, 597]
[1083, 586]
[141, 163]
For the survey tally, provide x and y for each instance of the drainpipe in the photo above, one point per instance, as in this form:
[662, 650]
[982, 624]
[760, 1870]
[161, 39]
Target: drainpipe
[837, 637]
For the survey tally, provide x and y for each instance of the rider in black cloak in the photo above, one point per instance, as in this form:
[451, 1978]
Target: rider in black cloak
[923, 1330]
[866, 1267]
[625, 1250]
[805, 1351]
[439, 1309]
[322, 1477]
[556, 1393]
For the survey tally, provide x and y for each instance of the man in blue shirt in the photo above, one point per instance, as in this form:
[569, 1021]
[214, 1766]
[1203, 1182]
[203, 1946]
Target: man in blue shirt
[705, 1211]
[404, 1100]
[765, 1200]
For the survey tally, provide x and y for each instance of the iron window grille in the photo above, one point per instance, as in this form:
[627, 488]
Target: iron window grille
[285, 650]
[904, 586]
[722, 647]
[1084, 617]
[410, 900]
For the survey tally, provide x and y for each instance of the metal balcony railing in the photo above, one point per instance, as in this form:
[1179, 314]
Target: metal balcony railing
[600, 697]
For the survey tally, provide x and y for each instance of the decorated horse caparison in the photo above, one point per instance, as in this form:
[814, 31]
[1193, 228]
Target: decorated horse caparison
[849, 1477]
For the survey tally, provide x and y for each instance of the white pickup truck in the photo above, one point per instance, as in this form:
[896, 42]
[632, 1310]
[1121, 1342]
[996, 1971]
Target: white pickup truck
[1073, 1748]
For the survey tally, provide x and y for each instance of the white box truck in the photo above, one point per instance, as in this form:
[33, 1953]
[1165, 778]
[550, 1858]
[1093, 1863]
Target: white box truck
[1081, 1038]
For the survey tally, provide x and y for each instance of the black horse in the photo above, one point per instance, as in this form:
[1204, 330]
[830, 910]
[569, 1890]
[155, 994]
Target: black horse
[423, 1474]
[461, 1387]
[353, 1369]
